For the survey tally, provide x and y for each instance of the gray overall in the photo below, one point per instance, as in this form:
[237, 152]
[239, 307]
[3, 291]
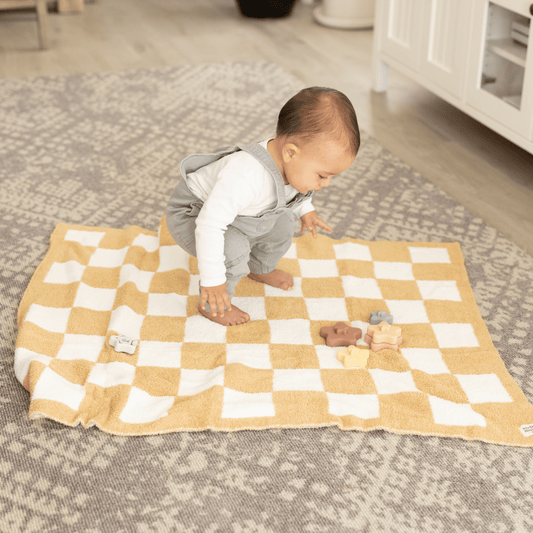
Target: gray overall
[251, 243]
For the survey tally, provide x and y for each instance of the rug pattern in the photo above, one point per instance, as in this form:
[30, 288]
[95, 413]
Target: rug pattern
[104, 150]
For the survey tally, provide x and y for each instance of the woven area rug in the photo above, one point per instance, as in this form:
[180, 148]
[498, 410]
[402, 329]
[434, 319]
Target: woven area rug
[103, 150]
[186, 373]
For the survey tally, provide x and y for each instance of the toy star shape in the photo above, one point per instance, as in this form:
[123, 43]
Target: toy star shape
[382, 336]
[377, 317]
[340, 335]
[353, 357]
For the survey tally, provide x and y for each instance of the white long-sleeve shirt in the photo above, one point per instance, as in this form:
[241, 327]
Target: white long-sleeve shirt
[237, 184]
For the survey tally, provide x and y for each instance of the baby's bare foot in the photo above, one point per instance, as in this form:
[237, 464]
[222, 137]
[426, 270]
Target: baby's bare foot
[230, 318]
[276, 278]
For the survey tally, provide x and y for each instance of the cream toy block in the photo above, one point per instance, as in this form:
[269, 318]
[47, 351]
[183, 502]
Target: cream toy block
[122, 344]
[383, 336]
[353, 357]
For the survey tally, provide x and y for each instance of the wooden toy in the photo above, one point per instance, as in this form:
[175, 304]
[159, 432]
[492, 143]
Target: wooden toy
[353, 357]
[340, 335]
[383, 336]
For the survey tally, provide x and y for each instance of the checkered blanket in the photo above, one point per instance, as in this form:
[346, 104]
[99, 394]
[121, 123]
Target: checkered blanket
[187, 373]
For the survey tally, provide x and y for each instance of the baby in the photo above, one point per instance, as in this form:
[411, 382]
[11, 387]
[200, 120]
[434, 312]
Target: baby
[234, 209]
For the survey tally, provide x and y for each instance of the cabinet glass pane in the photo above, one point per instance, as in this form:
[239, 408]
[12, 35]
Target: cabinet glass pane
[504, 58]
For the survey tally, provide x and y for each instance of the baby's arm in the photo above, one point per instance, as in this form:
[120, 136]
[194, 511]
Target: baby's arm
[232, 193]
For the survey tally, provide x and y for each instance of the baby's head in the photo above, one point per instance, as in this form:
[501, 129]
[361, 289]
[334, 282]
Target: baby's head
[317, 137]
[319, 114]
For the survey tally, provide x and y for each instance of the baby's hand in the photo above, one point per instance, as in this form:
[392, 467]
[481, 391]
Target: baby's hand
[217, 297]
[310, 221]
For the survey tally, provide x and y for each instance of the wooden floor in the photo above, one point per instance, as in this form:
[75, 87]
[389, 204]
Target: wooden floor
[480, 169]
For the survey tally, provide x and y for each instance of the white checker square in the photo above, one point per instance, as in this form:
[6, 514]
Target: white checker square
[64, 273]
[327, 309]
[360, 405]
[421, 254]
[251, 355]
[428, 360]
[200, 329]
[439, 290]
[327, 357]
[388, 382]
[361, 287]
[393, 270]
[149, 242]
[363, 326]
[454, 414]
[295, 291]
[291, 331]
[93, 298]
[455, 335]
[49, 318]
[352, 250]
[482, 388]
[297, 379]
[196, 381]
[159, 353]
[108, 258]
[87, 347]
[408, 311]
[253, 305]
[167, 304]
[141, 278]
[125, 321]
[194, 285]
[52, 386]
[238, 404]
[86, 238]
[23, 359]
[319, 268]
[291, 252]
[173, 257]
[112, 374]
[141, 407]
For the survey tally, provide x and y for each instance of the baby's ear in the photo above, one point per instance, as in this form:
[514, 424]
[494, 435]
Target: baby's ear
[289, 151]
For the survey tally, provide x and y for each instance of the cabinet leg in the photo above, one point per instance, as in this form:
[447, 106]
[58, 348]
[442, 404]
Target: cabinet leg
[42, 23]
[380, 76]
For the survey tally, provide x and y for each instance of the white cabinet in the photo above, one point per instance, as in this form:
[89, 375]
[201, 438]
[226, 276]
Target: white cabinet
[499, 84]
[472, 53]
[427, 37]
[445, 25]
[402, 31]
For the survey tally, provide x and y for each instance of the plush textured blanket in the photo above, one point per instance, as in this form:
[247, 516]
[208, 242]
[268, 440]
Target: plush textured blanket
[185, 373]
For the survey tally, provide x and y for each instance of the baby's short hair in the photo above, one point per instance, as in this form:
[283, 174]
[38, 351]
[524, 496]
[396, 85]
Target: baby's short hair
[317, 110]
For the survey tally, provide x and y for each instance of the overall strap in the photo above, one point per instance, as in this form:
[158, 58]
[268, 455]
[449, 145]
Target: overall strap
[264, 157]
[194, 162]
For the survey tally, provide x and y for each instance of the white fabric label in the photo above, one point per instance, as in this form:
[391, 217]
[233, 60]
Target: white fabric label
[527, 430]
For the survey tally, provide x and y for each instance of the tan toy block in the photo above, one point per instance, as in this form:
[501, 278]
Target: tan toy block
[383, 336]
[353, 357]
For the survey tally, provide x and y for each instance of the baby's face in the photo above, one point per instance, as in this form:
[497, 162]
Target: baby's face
[315, 163]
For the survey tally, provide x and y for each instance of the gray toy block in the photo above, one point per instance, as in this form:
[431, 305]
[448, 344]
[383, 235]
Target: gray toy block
[376, 317]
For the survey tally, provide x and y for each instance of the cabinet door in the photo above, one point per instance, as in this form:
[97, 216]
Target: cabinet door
[500, 77]
[402, 31]
[446, 27]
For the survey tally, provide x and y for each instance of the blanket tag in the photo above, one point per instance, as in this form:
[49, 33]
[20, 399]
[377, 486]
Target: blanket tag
[122, 344]
[527, 430]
